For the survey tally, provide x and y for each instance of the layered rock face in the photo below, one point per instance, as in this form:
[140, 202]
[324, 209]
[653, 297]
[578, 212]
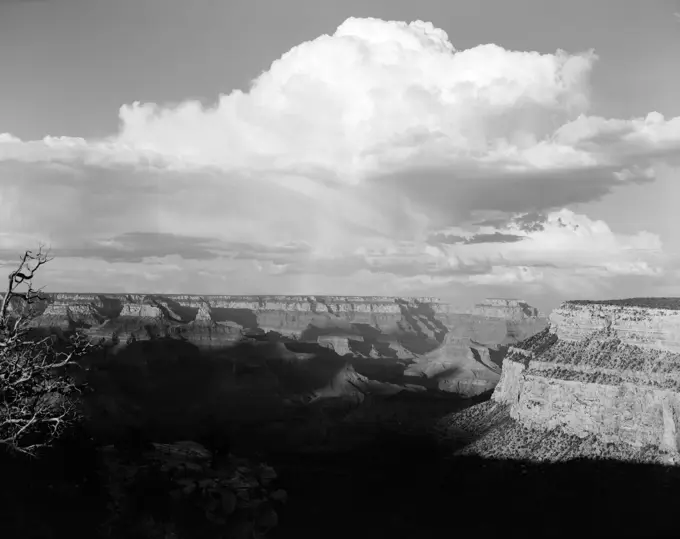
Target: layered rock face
[338, 343]
[606, 370]
[225, 318]
[469, 360]
[459, 366]
[507, 309]
[216, 320]
[452, 349]
[652, 328]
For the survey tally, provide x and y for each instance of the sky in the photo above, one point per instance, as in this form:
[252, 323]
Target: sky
[462, 150]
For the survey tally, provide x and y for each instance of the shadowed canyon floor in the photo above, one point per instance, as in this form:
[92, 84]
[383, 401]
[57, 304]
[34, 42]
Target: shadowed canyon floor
[406, 485]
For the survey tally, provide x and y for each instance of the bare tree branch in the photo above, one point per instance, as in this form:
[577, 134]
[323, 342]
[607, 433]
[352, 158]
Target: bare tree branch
[38, 397]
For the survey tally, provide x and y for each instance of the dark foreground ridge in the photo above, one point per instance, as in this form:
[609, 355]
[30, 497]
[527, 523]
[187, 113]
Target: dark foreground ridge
[397, 485]
[648, 303]
[407, 488]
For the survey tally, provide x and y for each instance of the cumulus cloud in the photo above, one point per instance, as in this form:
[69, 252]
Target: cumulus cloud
[375, 94]
[372, 97]
[569, 240]
[566, 241]
[378, 150]
[386, 98]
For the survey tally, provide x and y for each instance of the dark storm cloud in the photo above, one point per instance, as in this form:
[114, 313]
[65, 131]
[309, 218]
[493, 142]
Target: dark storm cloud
[496, 237]
[283, 254]
[448, 239]
[530, 222]
[526, 222]
[451, 196]
[136, 246]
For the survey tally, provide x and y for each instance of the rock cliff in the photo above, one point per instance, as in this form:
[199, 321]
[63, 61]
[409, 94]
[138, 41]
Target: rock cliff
[226, 318]
[469, 360]
[607, 372]
[459, 366]
[507, 309]
[452, 349]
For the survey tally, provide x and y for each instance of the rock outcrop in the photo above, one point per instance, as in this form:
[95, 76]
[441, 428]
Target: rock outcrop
[653, 328]
[340, 344]
[606, 371]
[507, 309]
[458, 366]
[349, 385]
[469, 360]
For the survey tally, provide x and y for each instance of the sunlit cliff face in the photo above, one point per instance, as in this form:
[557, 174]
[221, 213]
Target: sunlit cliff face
[607, 370]
[377, 160]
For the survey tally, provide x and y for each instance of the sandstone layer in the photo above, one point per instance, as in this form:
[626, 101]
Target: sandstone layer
[227, 318]
[607, 372]
[469, 360]
[215, 320]
[452, 348]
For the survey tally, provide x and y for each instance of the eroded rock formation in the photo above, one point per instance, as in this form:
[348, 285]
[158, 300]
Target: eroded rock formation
[395, 322]
[607, 371]
[469, 360]
[338, 343]
[458, 366]
[452, 349]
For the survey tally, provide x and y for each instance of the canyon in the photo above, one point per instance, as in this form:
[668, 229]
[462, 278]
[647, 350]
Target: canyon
[602, 380]
[420, 341]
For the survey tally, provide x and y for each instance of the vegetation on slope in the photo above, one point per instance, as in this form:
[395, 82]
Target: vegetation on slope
[604, 359]
[598, 358]
[649, 303]
[492, 433]
[536, 344]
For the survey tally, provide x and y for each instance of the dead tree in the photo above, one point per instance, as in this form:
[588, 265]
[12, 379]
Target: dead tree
[39, 398]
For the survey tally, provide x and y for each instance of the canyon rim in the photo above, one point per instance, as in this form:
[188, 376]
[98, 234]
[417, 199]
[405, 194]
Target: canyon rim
[451, 348]
[601, 381]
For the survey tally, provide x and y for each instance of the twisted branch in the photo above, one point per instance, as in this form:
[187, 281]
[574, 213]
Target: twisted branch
[38, 397]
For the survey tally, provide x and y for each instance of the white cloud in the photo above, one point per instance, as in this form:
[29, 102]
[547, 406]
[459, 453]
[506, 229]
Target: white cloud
[508, 276]
[374, 93]
[569, 241]
[300, 157]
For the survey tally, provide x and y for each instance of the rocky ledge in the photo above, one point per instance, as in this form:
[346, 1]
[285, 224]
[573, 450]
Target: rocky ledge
[604, 374]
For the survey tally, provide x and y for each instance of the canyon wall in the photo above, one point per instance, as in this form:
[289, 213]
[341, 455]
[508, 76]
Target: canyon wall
[609, 370]
[435, 344]
[639, 326]
[216, 320]
[468, 362]
[508, 309]
[418, 324]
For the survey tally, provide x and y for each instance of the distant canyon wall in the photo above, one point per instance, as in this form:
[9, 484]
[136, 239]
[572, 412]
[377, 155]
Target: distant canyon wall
[469, 360]
[639, 326]
[362, 325]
